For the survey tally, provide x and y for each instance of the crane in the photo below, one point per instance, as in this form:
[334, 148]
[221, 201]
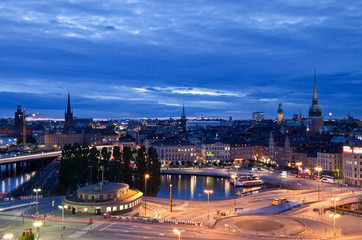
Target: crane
[24, 124]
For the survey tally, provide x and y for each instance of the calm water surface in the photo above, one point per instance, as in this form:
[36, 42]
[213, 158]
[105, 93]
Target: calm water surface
[189, 187]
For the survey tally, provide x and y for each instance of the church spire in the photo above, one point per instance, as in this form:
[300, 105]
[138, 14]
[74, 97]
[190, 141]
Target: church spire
[183, 111]
[68, 106]
[315, 88]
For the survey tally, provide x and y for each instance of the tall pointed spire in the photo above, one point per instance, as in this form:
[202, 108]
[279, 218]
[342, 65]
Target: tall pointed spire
[183, 111]
[315, 87]
[68, 115]
[68, 106]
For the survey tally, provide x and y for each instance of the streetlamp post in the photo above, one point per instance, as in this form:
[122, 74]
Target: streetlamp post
[147, 176]
[37, 190]
[178, 232]
[170, 197]
[62, 207]
[208, 191]
[37, 225]
[236, 168]
[318, 169]
[234, 179]
[334, 216]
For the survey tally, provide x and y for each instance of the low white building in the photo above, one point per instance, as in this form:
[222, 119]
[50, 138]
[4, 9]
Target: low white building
[175, 154]
[330, 160]
[214, 151]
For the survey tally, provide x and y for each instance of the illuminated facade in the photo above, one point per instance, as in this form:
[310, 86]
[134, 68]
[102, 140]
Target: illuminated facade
[96, 199]
[352, 165]
[280, 114]
[174, 154]
[214, 151]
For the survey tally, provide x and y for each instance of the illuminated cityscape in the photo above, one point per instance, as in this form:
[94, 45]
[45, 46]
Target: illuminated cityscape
[194, 120]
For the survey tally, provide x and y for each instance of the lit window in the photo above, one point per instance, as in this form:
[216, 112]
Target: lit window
[85, 210]
[109, 209]
[115, 208]
[121, 207]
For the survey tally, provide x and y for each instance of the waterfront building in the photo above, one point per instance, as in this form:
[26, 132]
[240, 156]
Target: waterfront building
[214, 151]
[105, 197]
[175, 153]
[280, 114]
[68, 116]
[257, 116]
[242, 151]
[330, 158]
[352, 165]
[315, 119]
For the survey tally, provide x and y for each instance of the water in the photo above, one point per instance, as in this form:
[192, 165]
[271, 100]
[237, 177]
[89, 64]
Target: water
[11, 181]
[189, 187]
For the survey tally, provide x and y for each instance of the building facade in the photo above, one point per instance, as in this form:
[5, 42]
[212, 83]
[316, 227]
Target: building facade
[352, 165]
[175, 154]
[257, 116]
[214, 151]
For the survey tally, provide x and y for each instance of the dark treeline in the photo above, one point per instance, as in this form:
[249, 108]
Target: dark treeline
[81, 165]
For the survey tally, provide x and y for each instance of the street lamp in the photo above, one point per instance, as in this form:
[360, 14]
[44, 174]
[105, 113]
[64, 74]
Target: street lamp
[37, 190]
[37, 225]
[318, 169]
[170, 197]
[8, 236]
[147, 176]
[334, 216]
[178, 232]
[234, 179]
[62, 207]
[208, 191]
[236, 168]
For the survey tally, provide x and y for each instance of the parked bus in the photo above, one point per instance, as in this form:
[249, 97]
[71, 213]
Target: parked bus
[328, 179]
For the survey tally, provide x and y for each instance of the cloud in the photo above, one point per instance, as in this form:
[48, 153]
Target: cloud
[148, 57]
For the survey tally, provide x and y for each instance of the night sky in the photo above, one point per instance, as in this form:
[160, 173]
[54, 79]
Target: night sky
[146, 58]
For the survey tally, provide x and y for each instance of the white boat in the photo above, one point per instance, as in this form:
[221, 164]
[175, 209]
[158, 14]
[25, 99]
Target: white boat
[248, 183]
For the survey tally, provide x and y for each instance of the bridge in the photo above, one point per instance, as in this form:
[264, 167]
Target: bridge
[20, 160]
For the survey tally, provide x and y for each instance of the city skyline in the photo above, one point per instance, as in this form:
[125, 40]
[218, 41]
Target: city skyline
[145, 59]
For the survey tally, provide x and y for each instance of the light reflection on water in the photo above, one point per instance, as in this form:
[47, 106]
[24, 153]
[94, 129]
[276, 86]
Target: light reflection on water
[10, 182]
[192, 187]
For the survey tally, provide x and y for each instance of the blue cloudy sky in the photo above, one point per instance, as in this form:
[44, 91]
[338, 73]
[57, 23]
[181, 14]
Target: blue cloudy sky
[130, 58]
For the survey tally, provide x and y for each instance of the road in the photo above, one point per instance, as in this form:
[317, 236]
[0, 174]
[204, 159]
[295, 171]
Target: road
[77, 227]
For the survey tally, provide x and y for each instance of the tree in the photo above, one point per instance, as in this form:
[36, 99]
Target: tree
[154, 166]
[141, 168]
[127, 172]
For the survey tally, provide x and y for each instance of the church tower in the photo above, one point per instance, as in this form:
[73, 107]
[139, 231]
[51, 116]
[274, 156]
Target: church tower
[68, 115]
[315, 119]
[183, 118]
[280, 115]
[19, 121]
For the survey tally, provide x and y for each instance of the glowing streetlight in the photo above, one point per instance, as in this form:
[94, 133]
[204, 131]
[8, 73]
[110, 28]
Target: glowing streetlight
[178, 232]
[62, 207]
[170, 197]
[234, 179]
[208, 191]
[147, 176]
[8, 236]
[37, 190]
[334, 216]
[318, 169]
[37, 225]
[236, 168]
